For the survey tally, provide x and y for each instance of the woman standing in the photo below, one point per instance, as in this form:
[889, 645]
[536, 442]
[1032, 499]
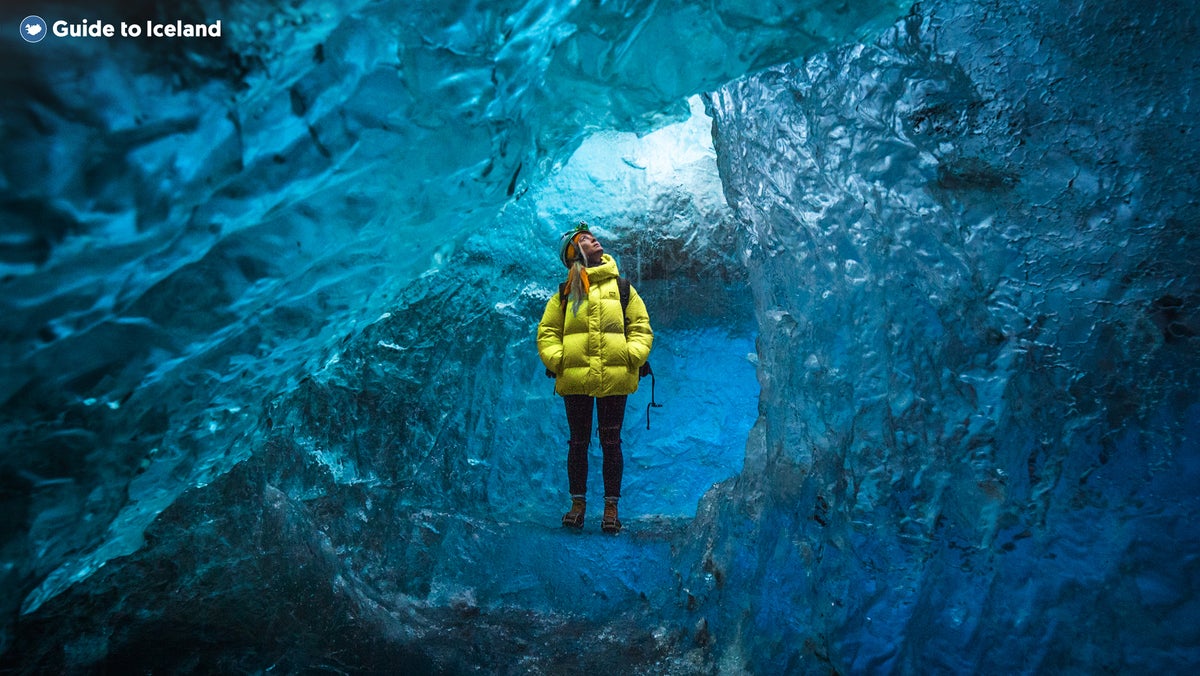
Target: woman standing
[594, 337]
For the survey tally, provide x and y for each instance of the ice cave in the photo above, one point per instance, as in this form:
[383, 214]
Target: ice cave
[925, 288]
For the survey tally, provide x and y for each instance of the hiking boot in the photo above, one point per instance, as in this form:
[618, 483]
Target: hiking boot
[574, 518]
[610, 523]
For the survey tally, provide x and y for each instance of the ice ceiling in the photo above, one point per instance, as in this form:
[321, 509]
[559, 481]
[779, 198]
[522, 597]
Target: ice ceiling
[922, 280]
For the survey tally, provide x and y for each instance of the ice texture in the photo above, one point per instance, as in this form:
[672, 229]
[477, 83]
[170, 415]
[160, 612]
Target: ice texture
[410, 488]
[973, 248]
[923, 290]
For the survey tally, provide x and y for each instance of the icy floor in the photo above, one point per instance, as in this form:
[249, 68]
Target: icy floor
[544, 567]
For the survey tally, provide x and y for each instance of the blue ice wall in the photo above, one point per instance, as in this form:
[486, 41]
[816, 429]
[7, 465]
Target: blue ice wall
[420, 469]
[271, 402]
[974, 248]
[193, 227]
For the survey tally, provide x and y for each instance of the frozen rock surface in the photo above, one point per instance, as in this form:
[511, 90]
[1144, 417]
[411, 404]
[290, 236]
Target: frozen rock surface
[925, 305]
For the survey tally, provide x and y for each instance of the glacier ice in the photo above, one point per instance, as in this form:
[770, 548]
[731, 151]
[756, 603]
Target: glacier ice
[925, 306]
[977, 422]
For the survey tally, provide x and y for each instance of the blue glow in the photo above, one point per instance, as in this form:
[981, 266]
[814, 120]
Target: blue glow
[923, 287]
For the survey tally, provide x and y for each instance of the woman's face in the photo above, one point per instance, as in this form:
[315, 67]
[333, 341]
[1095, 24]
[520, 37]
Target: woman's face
[592, 250]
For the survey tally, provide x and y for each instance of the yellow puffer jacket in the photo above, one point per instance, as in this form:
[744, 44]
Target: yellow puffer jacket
[591, 353]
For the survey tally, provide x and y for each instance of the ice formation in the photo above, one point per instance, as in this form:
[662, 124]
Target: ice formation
[922, 280]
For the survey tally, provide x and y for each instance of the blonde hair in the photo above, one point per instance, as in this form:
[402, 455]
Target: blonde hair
[578, 284]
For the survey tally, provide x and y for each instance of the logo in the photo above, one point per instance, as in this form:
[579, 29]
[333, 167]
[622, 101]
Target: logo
[33, 28]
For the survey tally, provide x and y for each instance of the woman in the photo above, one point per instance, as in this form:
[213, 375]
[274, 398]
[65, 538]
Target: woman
[594, 344]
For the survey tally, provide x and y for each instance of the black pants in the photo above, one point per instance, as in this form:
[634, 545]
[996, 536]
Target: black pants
[611, 412]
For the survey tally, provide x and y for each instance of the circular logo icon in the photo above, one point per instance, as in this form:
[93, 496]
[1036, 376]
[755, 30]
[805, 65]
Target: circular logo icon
[33, 28]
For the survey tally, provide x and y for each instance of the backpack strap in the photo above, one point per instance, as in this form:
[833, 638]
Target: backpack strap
[623, 287]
